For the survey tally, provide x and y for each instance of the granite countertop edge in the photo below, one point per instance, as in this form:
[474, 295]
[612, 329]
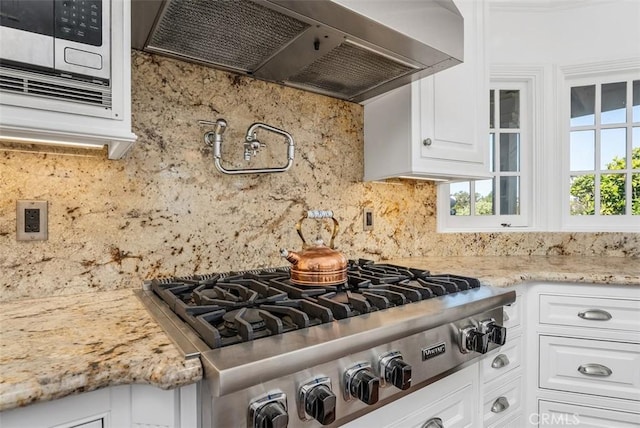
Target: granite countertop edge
[127, 346]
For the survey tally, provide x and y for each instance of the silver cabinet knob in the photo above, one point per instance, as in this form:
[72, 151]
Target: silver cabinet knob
[595, 315]
[427, 142]
[500, 405]
[594, 369]
[433, 423]
[500, 361]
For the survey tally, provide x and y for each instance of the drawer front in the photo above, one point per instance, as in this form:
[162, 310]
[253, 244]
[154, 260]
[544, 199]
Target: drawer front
[506, 358]
[502, 402]
[454, 411]
[610, 369]
[552, 414]
[601, 313]
[451, 401]
[516, 421]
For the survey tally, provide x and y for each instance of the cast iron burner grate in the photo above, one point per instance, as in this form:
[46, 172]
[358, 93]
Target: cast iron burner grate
[234, 307]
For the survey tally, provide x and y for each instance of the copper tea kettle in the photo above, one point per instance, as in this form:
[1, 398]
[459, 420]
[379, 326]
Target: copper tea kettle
[317, 264]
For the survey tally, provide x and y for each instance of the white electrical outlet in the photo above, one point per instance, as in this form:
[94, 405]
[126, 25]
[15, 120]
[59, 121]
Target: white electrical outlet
[31, 221]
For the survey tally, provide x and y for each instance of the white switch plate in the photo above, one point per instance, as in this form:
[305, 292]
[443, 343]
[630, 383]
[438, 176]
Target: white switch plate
[25, 209]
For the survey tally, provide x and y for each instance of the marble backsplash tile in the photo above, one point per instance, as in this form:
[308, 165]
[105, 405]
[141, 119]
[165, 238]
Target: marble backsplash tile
[165, 209]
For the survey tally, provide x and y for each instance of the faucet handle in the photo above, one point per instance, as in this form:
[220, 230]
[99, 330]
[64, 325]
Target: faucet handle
[219, 126]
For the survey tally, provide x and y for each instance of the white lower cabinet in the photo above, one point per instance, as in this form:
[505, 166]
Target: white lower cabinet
[136, 406]
[104, 408]
[501, 372]
[450, 402]
[587, 342]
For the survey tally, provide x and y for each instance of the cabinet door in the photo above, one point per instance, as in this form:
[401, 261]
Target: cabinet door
[454, 112]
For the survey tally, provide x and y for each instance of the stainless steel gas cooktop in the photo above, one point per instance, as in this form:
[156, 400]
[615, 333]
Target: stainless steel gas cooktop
[279, 354]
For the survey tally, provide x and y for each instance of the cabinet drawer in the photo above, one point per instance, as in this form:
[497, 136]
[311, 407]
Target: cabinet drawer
[552, 414]
[516, 421]
[502, 402]
[610, 369]
[593, 312]
[452, 400]
[506, 358]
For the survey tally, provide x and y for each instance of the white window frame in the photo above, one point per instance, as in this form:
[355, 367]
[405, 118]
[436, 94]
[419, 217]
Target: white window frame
[529, 81]
[581, 75]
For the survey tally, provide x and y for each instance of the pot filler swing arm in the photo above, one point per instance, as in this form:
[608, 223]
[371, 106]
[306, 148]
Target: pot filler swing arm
[251, 146]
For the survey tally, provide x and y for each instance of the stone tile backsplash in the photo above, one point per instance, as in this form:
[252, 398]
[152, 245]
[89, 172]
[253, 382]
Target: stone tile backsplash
[165, 209]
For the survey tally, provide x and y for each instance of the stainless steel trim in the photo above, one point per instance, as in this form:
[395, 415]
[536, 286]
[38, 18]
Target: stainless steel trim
[595, 315]
[594, 369]
[185, 339]
[231, 369]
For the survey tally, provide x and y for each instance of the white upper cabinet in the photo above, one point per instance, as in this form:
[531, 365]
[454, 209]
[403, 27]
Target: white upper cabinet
[437, 127]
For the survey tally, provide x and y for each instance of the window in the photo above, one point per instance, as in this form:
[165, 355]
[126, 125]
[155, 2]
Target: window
[570, 163]
[601, 171]
[502, 200]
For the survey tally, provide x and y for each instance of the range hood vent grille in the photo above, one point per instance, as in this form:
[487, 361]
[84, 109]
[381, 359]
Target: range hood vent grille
[233, 34]
[323, 46]
[53, 87]
[349, 70]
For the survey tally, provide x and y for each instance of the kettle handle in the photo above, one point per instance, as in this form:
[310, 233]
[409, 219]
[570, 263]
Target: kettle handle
[318, 214]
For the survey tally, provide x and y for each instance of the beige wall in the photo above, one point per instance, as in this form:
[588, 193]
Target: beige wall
[166, 210]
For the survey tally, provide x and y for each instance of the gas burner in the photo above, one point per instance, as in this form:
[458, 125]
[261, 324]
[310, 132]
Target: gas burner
[245, 315]
[232, 307]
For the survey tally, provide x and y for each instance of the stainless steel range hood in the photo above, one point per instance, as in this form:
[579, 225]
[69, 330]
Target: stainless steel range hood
[328, 47]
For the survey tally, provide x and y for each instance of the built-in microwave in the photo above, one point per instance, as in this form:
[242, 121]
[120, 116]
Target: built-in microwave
[69, 38]
[65, 73]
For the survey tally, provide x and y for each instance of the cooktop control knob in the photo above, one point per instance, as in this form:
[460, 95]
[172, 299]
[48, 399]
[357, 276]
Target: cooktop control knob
[269, 411]
[497, 333]
[361, 383]
[316, 401]
[394, 371]
[471, 339]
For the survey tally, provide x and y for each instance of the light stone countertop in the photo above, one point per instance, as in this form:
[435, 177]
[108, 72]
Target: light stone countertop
[53, 347]
[503, 271]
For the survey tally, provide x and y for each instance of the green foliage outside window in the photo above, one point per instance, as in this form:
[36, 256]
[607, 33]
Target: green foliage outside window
[612, 190]
[484, 204]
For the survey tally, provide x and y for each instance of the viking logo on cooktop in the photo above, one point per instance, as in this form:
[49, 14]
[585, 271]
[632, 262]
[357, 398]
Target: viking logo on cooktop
[433, 351]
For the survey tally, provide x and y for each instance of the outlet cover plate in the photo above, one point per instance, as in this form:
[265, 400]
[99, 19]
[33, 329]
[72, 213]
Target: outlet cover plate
[367, 219]
[22, 208]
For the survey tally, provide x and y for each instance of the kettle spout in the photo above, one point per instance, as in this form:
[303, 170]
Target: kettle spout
[291, 256]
